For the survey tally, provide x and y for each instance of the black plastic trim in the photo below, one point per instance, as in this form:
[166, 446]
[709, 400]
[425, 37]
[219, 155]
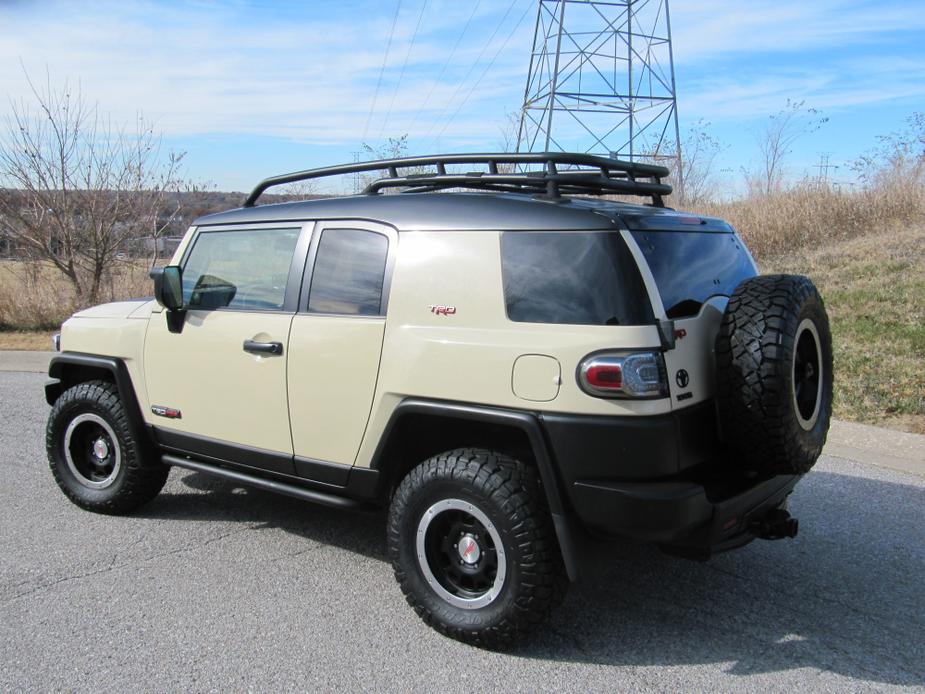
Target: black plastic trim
[364, 483]
[312, 495]
[321, 471]
[632, 448]
[682, 515]
[525, 421]
[333, 478]
[221, 451]
[61, 363]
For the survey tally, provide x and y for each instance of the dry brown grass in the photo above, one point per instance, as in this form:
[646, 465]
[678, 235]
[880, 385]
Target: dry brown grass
[37, 340]
[814, 216]
[34, 296]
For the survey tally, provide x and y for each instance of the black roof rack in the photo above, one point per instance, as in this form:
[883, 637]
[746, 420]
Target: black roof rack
[594, 175]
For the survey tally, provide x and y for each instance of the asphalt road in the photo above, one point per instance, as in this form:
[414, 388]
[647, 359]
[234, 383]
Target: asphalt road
[213, 587]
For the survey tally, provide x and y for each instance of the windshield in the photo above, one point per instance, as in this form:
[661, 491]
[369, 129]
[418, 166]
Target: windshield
[691, 266]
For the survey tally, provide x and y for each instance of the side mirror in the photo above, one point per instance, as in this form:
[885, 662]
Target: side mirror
[168, 290]
[168, 287]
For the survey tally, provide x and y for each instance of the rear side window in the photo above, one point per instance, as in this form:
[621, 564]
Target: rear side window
[572, 278]
[246, 270]
[691, 266]
[349, 272]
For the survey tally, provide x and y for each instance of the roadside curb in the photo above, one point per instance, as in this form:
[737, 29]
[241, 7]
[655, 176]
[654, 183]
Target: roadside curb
[860, 443]
[20, 360]
[897, 450]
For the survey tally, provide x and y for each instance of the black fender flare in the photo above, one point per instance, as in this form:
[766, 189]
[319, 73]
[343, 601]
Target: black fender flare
[69, 368]
[570, 538]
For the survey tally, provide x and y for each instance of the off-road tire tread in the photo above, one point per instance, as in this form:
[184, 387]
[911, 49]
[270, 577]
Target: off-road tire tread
[515, 486]
[753, 353]
[144, 476]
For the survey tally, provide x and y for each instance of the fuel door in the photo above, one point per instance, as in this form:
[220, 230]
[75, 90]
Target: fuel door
[536, 377]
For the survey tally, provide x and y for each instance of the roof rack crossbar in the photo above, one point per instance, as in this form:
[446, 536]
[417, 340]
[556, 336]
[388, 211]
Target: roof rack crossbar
[601, 176]
[590, 184]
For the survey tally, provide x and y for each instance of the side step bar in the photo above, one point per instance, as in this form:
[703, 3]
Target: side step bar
[312, 495]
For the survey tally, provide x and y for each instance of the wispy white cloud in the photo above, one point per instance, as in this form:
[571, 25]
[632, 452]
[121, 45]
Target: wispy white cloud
[841, 85]
[711, 28]
[199, 69]
[309, 75]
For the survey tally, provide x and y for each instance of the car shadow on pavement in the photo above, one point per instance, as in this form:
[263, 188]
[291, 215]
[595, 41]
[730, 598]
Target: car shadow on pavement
[210, 498]
[844, 597]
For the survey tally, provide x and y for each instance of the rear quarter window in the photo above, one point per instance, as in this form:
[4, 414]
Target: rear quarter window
[576, 278]
[691, 266]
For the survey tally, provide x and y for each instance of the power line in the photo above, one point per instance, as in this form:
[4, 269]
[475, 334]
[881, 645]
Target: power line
[446, 64]
[404, 66]
[485, 71]
[385, 59]
[472, 67]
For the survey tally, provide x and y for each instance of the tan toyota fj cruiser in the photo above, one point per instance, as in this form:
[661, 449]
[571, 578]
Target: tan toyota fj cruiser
[516, 370]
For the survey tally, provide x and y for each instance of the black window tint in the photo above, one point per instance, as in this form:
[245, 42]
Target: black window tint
[691, 266]
[349, 272]
[239, 269]
[576, 278]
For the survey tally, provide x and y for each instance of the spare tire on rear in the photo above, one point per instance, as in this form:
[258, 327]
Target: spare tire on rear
[774, 374]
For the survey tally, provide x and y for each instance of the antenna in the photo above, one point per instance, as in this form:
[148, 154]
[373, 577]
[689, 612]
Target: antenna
[601, 81]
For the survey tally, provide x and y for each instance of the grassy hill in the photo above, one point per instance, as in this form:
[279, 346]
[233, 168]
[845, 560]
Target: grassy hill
[874, 290]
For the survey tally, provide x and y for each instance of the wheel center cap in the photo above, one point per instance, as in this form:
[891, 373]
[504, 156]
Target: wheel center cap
[100, 449]
[469, 550]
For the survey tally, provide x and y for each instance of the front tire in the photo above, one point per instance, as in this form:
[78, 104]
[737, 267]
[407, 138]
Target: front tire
[95, 456]
[473, 547]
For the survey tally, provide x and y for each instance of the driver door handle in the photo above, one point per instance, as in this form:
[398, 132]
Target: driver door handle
[263, 347]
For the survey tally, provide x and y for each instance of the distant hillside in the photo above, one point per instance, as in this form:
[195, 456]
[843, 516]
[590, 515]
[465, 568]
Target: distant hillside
[196, 204]
[185, 207]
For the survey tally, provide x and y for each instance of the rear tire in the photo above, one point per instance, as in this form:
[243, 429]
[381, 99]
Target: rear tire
[94, 454]
[473, 547]
[774, 374]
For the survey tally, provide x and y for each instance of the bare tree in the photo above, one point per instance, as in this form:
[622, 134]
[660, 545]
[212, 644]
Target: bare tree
[699, 150]
[393, 148]
[77, 189]
[776, 140]
[300, 190]
[509, 131]
[897, 156]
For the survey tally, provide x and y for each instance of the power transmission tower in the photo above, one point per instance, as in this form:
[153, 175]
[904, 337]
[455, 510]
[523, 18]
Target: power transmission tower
[824, 165]
[602, 81]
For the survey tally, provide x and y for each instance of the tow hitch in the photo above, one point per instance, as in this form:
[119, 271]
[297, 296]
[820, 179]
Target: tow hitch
[776, 525]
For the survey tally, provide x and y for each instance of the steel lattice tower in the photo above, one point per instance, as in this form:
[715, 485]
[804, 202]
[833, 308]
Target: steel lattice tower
[601, 81]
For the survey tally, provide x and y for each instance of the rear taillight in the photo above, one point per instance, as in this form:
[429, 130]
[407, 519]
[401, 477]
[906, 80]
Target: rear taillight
[639, 375]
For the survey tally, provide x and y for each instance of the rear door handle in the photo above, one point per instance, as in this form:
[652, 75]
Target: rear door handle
[263, 347]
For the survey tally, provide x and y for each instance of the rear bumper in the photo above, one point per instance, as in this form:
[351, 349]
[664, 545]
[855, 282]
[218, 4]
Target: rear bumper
[684, 516]
[659, 479]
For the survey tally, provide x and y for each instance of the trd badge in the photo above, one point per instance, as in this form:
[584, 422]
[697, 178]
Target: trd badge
[168, 412]
[442, 310]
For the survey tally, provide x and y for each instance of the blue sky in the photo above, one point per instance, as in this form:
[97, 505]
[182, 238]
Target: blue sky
[251, 89]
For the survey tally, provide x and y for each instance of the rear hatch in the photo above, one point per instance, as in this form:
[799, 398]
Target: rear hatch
[695, 271]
